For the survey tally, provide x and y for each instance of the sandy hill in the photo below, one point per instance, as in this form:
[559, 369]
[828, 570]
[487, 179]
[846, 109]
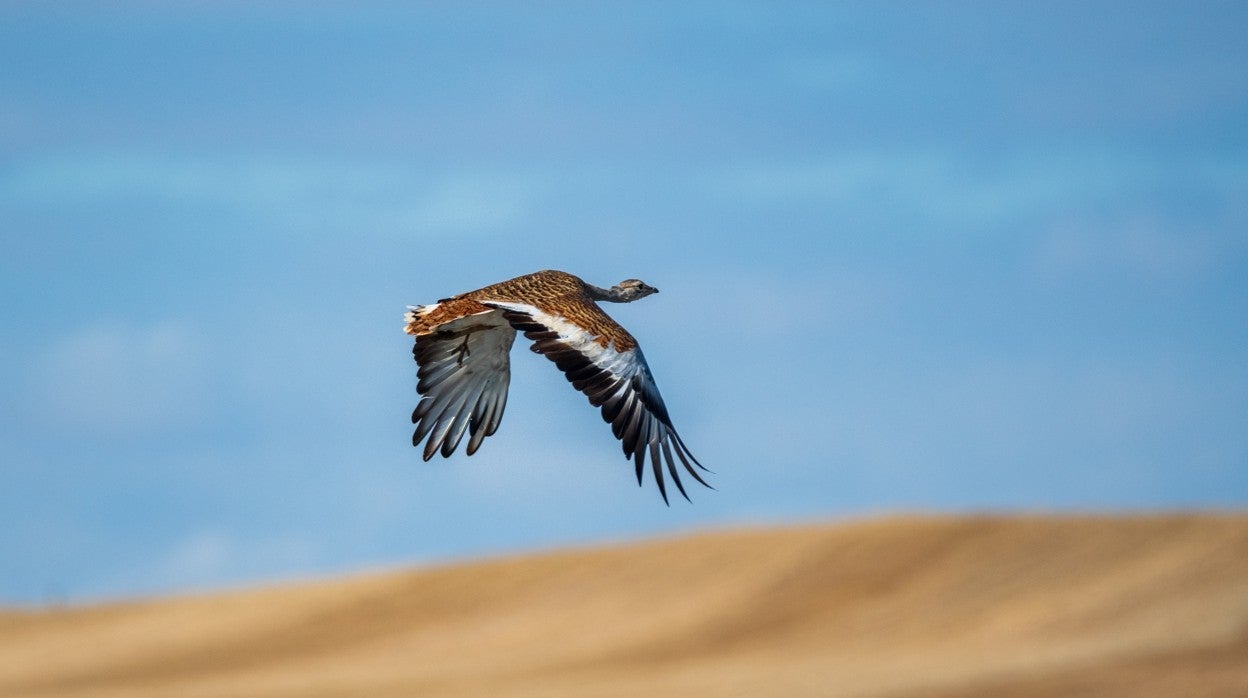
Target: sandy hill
[906, 606]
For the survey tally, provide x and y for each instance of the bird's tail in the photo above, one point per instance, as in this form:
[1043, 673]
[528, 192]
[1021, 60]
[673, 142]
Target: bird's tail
[412, 318]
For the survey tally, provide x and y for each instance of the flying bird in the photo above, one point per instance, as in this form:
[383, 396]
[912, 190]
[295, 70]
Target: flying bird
[462, 347]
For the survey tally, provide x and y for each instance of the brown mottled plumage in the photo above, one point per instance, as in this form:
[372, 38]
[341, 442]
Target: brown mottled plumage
[551, 291]
[462, 346]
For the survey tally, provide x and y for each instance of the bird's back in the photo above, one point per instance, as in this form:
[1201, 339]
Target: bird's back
[542, 287]
[557, 293]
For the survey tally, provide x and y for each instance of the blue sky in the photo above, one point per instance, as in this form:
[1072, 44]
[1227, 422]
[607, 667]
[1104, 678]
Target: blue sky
[950, 256]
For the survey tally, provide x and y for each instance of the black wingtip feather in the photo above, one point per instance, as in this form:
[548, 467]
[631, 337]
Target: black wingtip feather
[671, 465]
[659, 462]
[639, 458]
[630, 404]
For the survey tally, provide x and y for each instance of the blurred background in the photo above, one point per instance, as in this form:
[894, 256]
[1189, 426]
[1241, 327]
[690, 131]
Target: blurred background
[934, 256]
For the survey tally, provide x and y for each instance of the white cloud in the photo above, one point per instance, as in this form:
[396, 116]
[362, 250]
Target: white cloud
[956, 188]
[473, 202]
[827, 72]
[288, 192]
[1141, 244]
[210, 558]
[112, 380]
[828, 181]
[204, 555]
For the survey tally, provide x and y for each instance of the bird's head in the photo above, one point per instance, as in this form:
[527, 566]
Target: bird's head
[630, 290]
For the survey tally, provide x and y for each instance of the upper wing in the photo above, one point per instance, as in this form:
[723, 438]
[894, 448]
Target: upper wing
[617, 381]
[464, 373]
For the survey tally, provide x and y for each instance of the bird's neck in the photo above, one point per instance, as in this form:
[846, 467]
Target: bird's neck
[610, 295]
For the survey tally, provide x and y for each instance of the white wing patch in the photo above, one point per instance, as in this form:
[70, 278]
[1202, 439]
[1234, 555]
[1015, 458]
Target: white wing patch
[619, 382]
[464, 375]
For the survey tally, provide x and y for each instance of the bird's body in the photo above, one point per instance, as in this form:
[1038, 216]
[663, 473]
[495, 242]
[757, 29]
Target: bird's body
[462, 347]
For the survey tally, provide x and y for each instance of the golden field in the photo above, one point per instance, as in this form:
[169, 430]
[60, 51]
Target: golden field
[1010, 605]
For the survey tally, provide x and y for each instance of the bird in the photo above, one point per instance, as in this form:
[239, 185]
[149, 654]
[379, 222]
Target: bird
[462, 349]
